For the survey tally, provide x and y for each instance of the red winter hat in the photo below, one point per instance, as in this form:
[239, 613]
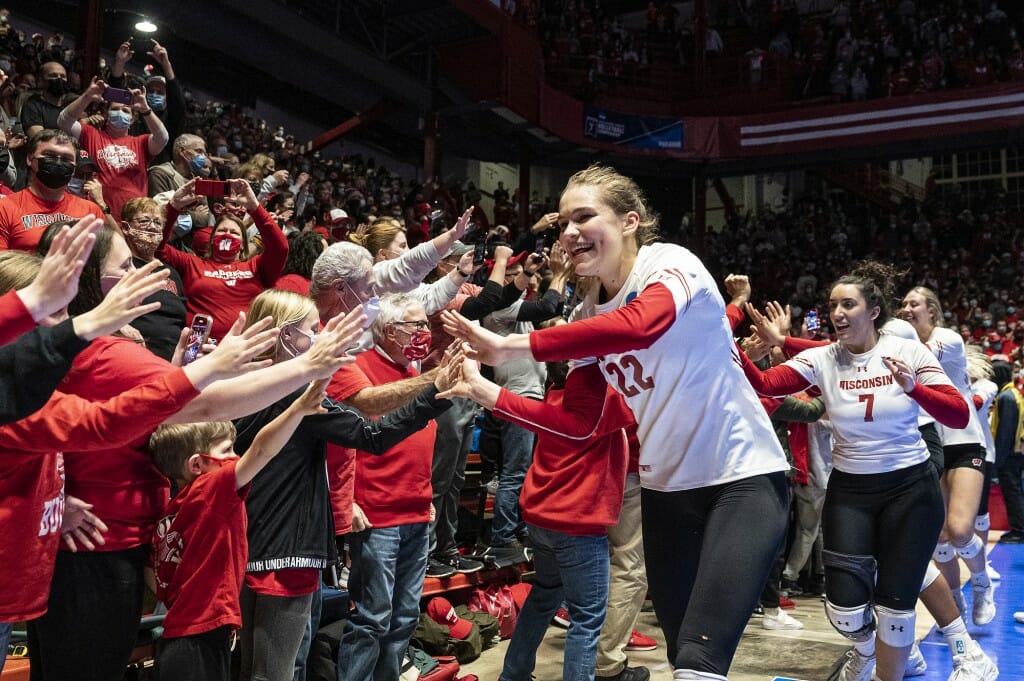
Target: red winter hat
[441, 611]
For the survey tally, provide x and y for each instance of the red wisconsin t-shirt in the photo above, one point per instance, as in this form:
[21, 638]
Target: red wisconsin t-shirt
[394, 488]
[126, 489]
[122, 163]
[199, 554]
[32, 478]
[24, 217]
[222, 290]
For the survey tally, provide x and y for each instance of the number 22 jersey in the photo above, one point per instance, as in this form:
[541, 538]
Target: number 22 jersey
[665, 344]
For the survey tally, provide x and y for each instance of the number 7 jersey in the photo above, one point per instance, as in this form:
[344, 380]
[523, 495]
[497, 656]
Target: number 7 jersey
[875, 423]
[698, 419]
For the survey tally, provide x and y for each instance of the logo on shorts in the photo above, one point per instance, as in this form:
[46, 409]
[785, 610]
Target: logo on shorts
[976, 462]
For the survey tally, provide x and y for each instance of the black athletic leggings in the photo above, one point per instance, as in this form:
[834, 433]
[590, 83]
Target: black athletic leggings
[894, 516]
[708, 553]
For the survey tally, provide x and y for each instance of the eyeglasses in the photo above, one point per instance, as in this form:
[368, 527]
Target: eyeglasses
[148, 222]
[360, 299]
[421, 325]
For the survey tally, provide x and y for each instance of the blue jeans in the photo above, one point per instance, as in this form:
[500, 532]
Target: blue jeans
[385, 583]
[312, 627]
[5, 641]
[448, 473]
[569, 568]
[516, 457]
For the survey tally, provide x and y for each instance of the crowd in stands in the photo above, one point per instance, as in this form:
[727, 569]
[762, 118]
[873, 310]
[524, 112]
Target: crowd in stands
[301, 308]
[971, 253]
[860, 49]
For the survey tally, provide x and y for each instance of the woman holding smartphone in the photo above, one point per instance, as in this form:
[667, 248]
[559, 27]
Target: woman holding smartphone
[222, 281]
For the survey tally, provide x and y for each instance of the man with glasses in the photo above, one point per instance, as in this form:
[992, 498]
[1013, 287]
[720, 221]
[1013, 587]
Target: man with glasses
[52, 157]
[389, 557]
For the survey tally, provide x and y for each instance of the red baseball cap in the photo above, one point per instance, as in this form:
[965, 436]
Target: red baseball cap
[441, 611]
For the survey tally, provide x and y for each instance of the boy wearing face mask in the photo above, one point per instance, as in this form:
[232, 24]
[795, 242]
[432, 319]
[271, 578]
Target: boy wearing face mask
[200, 547]
[122, 158]
[25, 215]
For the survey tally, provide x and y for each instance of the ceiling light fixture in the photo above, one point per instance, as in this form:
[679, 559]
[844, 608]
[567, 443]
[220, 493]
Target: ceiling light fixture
[145, 26]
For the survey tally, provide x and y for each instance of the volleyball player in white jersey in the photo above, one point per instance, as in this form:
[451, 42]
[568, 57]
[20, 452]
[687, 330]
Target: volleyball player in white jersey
[964, 467]
[984, 391]
[714, 494]
[883, 508]
[970, 663]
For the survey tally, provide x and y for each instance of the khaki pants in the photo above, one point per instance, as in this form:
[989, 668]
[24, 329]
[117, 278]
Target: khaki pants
[627, 587]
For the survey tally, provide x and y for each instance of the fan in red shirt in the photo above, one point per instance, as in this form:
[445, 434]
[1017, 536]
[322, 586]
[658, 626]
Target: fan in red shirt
[32, 486]
[389, 559]
[121, 158]
[225, 279]
[571, 495]
[25, 215]
[200, 547]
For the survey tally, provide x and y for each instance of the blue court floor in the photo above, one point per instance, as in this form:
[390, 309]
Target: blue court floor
[1002, 639]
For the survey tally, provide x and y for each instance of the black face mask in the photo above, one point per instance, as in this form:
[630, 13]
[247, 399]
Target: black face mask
[57, 87]
[55, 172]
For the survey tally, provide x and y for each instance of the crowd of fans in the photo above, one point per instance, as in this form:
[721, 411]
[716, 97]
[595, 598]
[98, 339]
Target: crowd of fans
[857, 50]
[971, 253]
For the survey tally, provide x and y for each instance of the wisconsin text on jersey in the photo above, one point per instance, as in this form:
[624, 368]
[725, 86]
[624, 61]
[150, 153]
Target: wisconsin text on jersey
[38, 220]
[864, 383]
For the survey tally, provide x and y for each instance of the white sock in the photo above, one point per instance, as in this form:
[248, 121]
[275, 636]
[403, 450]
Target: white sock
[691, 675]
[866, 648]
[981, 578]
[956, 636]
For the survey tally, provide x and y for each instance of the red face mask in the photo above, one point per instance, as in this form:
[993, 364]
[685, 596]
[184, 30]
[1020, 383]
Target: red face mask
[226, 247]
[418, 347]
[219, 461]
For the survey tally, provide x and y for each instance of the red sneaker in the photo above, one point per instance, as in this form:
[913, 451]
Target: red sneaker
[640, 642]
[562, 618]
[786, 603]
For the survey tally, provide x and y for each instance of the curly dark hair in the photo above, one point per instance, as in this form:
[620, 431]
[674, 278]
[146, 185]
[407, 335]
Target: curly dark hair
[303, 250]
[876, 281]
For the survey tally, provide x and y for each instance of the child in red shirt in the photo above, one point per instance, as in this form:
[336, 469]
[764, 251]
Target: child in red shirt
[200, 547]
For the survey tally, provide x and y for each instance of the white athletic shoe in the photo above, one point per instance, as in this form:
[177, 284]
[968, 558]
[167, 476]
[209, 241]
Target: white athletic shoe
[782, 621]
[857, 667]
[916, 665]
[974, 665]
[984, 610]
[961, 603]
[1018, 617]
[992, 574]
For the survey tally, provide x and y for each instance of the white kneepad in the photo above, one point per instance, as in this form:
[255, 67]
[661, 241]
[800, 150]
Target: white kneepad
[982, 523]
[855, 624]
[971, 549]
[930, 575]
[944, 552]
[895, 627]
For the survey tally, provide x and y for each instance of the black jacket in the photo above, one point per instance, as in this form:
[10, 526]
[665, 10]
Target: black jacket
[289, 507]
[32, 366]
